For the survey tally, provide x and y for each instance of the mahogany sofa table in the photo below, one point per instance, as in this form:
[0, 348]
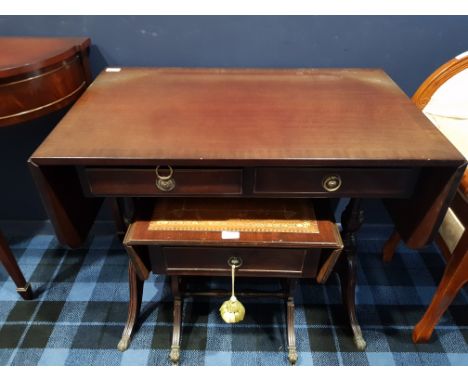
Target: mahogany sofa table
[249, 133]
[38, 75]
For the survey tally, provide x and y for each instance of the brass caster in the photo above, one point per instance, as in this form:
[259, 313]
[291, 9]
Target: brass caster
[25, 292]
[124, 343]
[292, 356]
[360, 342]
[174, 355]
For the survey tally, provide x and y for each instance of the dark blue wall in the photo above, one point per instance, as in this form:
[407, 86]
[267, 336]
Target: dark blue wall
[407, 47]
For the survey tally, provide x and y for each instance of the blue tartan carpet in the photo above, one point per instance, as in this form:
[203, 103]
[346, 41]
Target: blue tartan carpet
[81, 305]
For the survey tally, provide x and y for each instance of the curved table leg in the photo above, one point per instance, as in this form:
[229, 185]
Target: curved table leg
[9, 262]
[136, 294]
[455, 276]
[390, 246]
[351, 221]
[174, 355]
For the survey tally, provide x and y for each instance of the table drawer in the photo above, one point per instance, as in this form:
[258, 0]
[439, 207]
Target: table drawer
[269, 262]
[335, 181]
[142, 182]
[273, 237]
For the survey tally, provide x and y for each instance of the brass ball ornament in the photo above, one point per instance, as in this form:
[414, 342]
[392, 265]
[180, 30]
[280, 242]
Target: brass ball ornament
[232, 311]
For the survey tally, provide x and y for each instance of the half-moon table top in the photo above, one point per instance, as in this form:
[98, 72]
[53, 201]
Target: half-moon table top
[39, 75]
[25, 54]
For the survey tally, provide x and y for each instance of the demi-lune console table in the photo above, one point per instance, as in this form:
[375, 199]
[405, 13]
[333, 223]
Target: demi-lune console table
[38, 76]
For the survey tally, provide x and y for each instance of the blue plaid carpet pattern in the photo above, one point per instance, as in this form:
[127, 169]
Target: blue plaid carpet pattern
[80, 310]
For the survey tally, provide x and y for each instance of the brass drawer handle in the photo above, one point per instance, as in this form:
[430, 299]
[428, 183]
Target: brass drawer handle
[165, 183]
[331, 183]
[235, 262]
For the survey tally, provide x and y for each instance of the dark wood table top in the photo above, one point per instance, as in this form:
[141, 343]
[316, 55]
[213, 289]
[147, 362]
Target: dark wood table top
[246, 116]
[25, 54]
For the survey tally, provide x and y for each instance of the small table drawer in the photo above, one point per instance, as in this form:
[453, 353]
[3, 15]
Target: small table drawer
[206, 261]
[142, 182]
[339, 182]
[272, 238]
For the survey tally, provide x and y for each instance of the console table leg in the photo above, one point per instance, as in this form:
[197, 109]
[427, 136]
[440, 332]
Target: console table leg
[9, 262]
[174, 355]
[122, 215]
[136, 294]
[351, 221]
[292, 352]
[117, 215]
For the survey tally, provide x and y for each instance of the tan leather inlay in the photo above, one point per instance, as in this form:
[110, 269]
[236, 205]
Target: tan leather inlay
[243, 216]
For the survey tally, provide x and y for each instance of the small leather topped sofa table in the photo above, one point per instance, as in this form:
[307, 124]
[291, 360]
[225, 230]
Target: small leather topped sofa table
[249, 133]
[38, 76]
[281, 238]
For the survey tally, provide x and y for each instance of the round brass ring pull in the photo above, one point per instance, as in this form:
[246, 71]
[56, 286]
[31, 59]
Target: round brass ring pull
[167, 177]
[165, 183]
[331, 183]
[235, 262]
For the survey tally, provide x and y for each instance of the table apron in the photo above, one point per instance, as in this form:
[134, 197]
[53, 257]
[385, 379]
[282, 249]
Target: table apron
[252, 182]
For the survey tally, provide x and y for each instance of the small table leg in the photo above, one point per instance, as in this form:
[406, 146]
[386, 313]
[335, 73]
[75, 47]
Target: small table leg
[136, 294]
[9, 262]
[351, 221]
[292, 352]
[174, 355]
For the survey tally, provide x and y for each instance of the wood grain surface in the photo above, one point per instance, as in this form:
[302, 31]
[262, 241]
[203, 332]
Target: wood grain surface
[40, 75]
[22, 55]
[259, 116]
